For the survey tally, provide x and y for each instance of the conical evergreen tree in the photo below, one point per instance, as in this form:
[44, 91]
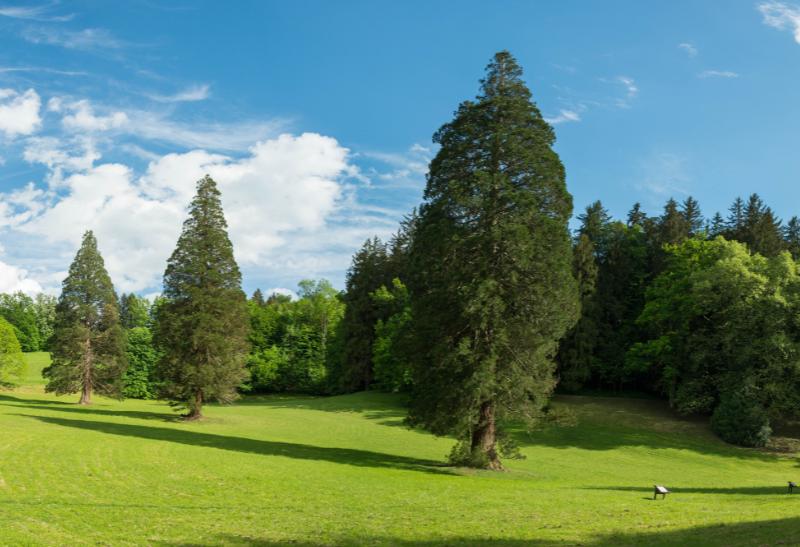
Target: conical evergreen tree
[88, 339]
[791, 237]
[734, 224]
[202, 325]
[716, 227]
[368, 272]
[492, 285]
[636, 217]
[576, 352]
[690, 209]
[258, 298]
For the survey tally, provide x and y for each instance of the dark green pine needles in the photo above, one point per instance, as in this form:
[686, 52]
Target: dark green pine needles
[88, 341]
[492, 286]
[202, 325]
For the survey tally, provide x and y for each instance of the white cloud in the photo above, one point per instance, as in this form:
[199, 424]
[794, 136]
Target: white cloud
[689, 48]
[86, 39]
[190, 94]
[782, 17]
[19, 112]
[718, 74]
[14, 279]
[83, 118]
[281, 202]
[563, 117]
[34, 13]
[630, 86]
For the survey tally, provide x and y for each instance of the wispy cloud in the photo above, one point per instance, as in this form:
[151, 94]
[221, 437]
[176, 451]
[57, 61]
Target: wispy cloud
[664, 174]
[12, 69]
[718, 74]
[33, 13]
[564, 116]
[86, 39]
[631, 90]
[782, 17]
[689, 48]
[190, 94]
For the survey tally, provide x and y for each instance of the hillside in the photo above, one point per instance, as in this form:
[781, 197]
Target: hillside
[344, 471]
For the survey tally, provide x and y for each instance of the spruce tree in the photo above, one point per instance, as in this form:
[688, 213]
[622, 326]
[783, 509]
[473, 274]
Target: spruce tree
[202, 325]
[88, 339]
[636, 217]
[690, 209]
[716, 226]
[734, 224]
[491, 261]
[258, 298]
[368, 272]
[791, 237]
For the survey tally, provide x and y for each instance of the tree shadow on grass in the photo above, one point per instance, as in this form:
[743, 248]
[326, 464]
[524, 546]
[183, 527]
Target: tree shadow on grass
[84, 410]
[772, 490]
[777, 531]
[5, 399]
[346, 456]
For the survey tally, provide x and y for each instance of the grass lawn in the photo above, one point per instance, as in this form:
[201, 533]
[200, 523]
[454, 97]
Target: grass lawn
[344, 471]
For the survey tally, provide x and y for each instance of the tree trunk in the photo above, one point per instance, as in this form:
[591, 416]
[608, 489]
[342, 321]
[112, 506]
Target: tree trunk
[196, 407]
[484, 436]
[86, 380]
[86, 394]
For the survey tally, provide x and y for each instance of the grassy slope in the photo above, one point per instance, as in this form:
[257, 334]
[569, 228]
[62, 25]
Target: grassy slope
[274, 470]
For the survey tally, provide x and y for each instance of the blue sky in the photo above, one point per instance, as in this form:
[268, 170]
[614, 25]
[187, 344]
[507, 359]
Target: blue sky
[316, 117]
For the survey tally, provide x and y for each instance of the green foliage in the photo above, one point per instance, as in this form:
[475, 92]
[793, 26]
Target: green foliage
[490, 266]
[740, 419]
[202, 325]
[393, 339]
[721, 325]
[138, 381]
[11, 361]
[88, 340]
[134, 311]
[368, 272]
[19, 310]
[292, 341]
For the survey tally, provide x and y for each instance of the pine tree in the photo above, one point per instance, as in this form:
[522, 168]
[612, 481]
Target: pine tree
[761, 231]
[716, 227]
[734, 224]
[636, 217]
[594, 225]
[368, 272]
[202, 325]
[690, 209]
[492, 287]
[791, 237]
[673, 225]
[258, 298]
[88, 339]
[576, 352]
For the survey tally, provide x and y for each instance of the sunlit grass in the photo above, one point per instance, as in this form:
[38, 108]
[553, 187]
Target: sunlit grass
[344, 471]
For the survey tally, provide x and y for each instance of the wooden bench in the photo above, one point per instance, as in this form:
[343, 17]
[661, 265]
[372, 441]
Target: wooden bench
[660, 490]
[792, 486]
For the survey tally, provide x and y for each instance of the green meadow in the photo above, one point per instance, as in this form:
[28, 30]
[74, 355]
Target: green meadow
[344, 470]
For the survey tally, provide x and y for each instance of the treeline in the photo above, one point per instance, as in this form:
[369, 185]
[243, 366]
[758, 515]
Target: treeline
[31, 318]
[479, 307]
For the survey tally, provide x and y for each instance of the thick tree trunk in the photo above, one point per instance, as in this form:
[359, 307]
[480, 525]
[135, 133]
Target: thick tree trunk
[196, 407]
[484, 437]
[86, 394]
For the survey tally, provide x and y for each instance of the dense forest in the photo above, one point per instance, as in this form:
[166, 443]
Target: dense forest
[479, 308]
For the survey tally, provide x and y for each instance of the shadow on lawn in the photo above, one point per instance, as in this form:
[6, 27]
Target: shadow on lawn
[773, 490]
[780, 531]
[347, 456]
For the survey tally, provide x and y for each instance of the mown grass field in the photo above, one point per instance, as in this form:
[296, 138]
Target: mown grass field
[344, 471]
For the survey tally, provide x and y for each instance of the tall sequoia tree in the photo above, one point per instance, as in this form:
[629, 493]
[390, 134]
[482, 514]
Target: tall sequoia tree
[202, 325]
[492, 286]
[88, 339]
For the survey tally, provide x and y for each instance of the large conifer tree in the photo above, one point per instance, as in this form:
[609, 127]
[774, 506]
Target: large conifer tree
[492, 285]
[202, 325]
[88, 340]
